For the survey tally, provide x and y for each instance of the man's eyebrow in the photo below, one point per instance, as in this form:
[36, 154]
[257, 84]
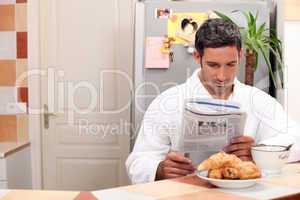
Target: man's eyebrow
[212, 62]
[232, 62]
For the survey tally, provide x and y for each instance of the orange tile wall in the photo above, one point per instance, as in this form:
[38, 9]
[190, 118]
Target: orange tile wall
[13, 63]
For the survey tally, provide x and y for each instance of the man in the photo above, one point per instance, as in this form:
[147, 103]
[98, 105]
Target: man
[219, 52]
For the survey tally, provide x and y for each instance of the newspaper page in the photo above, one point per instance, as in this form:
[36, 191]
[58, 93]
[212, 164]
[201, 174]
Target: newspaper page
[208, 126]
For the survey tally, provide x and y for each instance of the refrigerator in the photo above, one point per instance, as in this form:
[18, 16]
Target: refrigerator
[153, 20]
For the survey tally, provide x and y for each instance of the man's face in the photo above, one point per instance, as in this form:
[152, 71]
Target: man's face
[219, 67]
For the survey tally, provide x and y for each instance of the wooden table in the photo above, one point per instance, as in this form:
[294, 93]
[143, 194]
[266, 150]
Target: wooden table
[285, 186]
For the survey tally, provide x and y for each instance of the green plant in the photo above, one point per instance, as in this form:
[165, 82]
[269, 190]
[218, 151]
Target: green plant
[259, 40]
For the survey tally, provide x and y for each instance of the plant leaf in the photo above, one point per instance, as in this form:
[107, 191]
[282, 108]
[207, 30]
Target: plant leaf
[261, 30]
[225, 17]
[256, 16]
[264, 53]
[280, 63]
[275, 46]
[252, 25]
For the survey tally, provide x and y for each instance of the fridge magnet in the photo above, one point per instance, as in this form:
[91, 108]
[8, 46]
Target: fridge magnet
[183, 26]
[163, 13]
[167, 43]
[166, 48]
[154, 57]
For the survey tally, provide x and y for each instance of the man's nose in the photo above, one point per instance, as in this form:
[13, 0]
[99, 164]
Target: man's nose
[221, 74]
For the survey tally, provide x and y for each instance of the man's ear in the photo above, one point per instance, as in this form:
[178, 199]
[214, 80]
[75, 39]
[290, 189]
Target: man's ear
[197, 57]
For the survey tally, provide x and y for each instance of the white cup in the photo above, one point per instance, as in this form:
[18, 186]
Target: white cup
[270, 158]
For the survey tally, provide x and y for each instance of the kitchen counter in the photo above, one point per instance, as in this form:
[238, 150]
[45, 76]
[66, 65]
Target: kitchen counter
[285, 186]
[7, 148]
[15, 165]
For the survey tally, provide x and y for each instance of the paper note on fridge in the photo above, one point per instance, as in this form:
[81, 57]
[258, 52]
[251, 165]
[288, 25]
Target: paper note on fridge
[154, 57]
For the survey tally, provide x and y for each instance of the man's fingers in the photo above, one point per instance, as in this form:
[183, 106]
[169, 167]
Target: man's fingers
[173, 176]
[241, 153]
[182, 172]
[236, 147]
[177, 157]
[246, 158]
[242, 139]
[173, 164]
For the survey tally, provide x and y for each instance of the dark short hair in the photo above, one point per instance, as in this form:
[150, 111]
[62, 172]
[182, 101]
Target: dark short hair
[215, 33]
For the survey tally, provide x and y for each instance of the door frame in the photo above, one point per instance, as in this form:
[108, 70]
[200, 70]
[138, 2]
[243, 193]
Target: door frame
[34, 65]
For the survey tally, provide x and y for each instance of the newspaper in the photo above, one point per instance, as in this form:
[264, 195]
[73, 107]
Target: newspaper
[208, 126]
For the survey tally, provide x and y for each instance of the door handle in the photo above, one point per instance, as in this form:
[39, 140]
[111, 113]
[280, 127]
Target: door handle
[47, 115]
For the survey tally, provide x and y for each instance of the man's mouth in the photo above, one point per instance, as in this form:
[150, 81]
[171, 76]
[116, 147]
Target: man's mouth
[220, 84]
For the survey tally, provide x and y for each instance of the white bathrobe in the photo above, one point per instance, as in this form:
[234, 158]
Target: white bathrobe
[266, 121]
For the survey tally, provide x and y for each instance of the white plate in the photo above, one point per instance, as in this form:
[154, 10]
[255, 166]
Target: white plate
[230, 184]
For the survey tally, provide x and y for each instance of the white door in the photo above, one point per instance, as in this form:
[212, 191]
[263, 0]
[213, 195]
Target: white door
[86, 56]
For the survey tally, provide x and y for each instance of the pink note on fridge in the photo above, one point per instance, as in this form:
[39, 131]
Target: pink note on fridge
[154, 57]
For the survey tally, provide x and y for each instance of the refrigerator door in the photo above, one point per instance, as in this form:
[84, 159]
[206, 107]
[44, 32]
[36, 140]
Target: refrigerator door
[149, 83]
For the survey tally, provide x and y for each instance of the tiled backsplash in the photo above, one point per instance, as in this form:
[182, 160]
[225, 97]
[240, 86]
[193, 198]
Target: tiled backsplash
[8, 48]
[13, 128]
[8, 94]
[13, 69]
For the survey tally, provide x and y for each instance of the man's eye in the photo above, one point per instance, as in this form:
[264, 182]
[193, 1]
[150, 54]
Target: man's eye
[213, 65]
[231, 65]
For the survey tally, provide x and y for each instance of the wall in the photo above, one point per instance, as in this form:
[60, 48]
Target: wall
[292, 49]
[292, 10]
[13, 66]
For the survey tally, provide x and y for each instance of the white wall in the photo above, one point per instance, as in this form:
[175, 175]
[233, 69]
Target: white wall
[292, 59]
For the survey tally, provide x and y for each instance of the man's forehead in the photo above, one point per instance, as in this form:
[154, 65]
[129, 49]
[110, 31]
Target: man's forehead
[222, 50]
[221, 54]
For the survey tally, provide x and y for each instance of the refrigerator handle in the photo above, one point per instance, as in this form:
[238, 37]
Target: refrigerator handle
[132, 119]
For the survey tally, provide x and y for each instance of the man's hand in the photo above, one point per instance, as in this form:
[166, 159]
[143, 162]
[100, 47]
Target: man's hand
[175, 165]
[241, 147]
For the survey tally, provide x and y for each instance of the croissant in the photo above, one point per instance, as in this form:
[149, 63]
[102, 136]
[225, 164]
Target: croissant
[215, 173]
[248, 170]
[231, 160]
[229, 166]
[219, 160]
[213, 162]
[230, 173]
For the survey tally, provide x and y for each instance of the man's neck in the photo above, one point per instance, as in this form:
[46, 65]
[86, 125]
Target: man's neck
[223, 93]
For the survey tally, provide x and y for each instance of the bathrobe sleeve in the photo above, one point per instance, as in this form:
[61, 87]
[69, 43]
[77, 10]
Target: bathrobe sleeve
[151, 146]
